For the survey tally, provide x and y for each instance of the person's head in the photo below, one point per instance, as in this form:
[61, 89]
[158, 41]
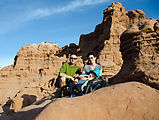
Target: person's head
[95, 73]
[73, 59]
[92, 75]
[92, 57]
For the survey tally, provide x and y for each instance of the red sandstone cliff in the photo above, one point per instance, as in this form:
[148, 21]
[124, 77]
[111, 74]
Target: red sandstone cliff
[105, 40]
[140, 52]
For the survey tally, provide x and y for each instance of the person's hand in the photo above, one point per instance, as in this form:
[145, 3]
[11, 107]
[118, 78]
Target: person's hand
[83, 77]
[90, 76]
[72, 78]
[76, 81]
[85, 84]
[76, 75]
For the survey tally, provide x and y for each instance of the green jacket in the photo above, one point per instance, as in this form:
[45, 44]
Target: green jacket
[68, 70]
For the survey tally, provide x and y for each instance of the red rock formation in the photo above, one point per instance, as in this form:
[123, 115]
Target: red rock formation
[35, 60]
[105, 40]
[128, 101]
[33, 67]
[38, 59]
[140, 53]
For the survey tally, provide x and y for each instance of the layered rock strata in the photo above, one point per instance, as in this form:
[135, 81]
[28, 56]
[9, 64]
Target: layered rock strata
[105, 40]
[140, 53]
[38, 59]
[34, 67]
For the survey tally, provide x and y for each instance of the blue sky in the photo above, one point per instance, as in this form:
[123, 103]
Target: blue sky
[25, 22]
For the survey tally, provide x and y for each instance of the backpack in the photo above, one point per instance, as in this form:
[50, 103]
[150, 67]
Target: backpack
[96, 84]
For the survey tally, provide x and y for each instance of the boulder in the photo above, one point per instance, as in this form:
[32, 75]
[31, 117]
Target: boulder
[127, 101]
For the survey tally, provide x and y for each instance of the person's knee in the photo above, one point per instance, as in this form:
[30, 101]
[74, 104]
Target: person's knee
[62, 81]
[79, 87]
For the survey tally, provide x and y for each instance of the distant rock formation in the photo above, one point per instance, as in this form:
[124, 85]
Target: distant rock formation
[38, 59]
[140, 53]
[105, 40]
[34, 67]
[35, 60]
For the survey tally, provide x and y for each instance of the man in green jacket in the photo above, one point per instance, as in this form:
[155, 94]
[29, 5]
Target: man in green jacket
[68, 71]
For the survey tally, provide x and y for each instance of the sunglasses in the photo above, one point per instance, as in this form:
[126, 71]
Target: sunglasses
[73, 58]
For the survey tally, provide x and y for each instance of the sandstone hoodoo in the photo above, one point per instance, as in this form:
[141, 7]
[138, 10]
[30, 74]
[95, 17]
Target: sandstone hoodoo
[140, 52]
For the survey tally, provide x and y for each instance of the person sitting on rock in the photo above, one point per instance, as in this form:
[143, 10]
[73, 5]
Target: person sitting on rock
[87, 69]
[68, 71]
[92, 65]
[80, 84]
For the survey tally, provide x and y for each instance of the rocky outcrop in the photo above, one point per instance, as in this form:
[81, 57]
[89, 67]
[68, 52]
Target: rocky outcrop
[34, 66]
[105, 40]
[18, 93]
[67, 50]
[131, 100]
[128, 101]
[140, 53]
[35, 60]
[38, 59]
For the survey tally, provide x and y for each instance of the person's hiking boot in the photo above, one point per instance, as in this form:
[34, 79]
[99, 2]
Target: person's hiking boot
[80, 93]
[73, 95]
[69, 94]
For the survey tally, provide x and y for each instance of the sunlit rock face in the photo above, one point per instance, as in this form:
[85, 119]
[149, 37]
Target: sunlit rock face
[27, 79]
[140, 53]
[105, 40]
[38, 59]
[35, 60]
[131, 100]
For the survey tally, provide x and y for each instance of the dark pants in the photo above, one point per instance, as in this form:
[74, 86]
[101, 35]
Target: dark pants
[73, 86]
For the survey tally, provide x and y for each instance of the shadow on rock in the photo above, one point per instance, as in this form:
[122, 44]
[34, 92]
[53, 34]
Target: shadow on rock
[28, 100]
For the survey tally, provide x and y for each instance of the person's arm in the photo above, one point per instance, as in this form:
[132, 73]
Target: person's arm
[66, 76]
[83, 76]
[100, 68]
[78, 72]
[63, 71]
[100, 73]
